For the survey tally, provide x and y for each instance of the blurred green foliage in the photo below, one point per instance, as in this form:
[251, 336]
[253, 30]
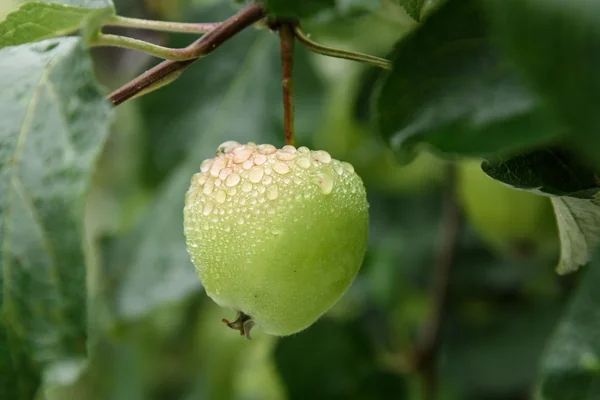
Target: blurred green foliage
[153, 334]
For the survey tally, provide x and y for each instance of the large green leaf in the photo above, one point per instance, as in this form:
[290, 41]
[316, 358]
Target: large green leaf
[35, 21]
[234, 94]
[571, 366]
[553, 171]
[573, 186]
[54, 122]
[555, 43]
[308, 8]
[450, 88]
[299, 9]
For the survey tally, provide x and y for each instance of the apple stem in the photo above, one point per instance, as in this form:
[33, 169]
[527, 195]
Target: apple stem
[243, 323]
[286, 40]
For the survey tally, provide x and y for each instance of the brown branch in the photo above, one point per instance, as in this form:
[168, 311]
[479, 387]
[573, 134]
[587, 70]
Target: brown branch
[426, 350]
[166, 71]
[287, 39]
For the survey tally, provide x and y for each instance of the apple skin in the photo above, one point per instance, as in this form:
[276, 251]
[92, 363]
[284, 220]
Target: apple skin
[278, 235]
[507, 219]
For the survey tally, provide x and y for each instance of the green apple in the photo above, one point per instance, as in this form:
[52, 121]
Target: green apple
[276, 234]
[508, 219]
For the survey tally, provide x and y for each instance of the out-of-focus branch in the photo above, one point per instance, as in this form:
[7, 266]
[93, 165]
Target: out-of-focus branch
[424, 357]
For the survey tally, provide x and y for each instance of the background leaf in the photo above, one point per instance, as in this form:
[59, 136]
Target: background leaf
[50, 102]
[298, 9]
[35, 21]
[558, 57]
[573, 186]
[571, 366]
[552, 171]
[451, 88]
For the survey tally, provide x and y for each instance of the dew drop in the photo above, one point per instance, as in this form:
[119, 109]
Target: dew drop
[225, 173]
[272, 192]
[303, 162]
[281, 168]
[267, 180]
[241, 154]
[221, 196]
[247, 164]
[338, 168]
[208, 208]
[260, 159]
[322, 156]
[246, 187]
[232, 180]
[348, 167]
[285, 156]
[208, 187]
[205, 166]
[217, 166]
[275, 230]
[227, 147]
[266, 149]
[256, 174]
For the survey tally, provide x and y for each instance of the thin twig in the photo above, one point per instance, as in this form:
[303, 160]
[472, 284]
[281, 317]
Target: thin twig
[163, 72]
[337, 53]
[425, 353]
[287, 39]
[162, 26]
[167, 53]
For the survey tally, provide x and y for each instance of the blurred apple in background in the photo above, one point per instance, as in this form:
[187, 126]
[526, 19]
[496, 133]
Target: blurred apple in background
[509, 220]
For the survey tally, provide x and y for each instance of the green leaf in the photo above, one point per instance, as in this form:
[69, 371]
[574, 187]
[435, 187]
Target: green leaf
[341, 365]
[9, 381]
[451, 89]
[309, 8]
[573, 187]
[298, 9]
[35, 21]
[570, 369]
[554, 43]
[551, 171]
[54, 122]
[413, 7]
[236, 98]
[579, 229]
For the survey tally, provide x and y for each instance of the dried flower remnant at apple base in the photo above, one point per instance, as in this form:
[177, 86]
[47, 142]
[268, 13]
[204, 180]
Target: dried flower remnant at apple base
[276, 234]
